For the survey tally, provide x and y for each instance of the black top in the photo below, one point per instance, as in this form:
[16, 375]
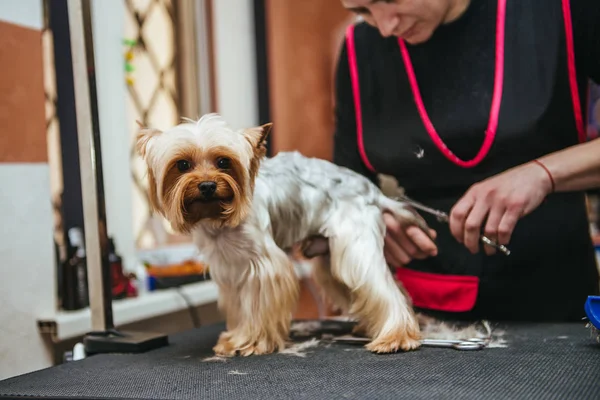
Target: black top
[552, 266]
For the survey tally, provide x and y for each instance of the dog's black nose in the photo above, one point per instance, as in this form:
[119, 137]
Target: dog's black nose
[207, 188]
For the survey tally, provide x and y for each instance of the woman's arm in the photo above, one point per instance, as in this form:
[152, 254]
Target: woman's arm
[505, 198]
[575, 168]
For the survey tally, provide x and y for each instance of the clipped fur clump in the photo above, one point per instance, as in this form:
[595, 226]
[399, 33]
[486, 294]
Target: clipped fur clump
[432, 328]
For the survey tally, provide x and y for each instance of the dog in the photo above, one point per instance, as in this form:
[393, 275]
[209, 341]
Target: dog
[245, 211]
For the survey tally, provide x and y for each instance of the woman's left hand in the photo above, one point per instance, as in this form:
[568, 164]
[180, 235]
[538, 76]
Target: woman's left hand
[502, 199]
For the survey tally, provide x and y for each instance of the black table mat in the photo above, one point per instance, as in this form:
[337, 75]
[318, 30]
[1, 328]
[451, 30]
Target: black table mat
[543, 361]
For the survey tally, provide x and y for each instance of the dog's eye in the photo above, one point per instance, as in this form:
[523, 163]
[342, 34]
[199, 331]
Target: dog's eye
[183, 165]
[223, 163]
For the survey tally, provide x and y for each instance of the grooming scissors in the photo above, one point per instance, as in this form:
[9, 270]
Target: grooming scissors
[468, 344]
[461, 344]
[443, 217]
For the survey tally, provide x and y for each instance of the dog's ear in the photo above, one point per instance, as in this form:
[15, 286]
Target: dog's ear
[152, 192]
[258, 136]
[144, 138]
[266, 131]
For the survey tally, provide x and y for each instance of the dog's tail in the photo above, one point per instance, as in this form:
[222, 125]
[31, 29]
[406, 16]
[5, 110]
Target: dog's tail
[405, 214]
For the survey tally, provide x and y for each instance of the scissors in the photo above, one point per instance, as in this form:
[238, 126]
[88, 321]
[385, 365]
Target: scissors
[443, 217]
[468, 344]
[460, 344]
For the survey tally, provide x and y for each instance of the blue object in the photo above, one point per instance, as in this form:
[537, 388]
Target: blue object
[592, 310]
[151, 283]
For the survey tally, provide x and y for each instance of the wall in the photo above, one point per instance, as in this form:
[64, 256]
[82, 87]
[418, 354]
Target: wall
[304, 39]
[26, 247]
[235, 70]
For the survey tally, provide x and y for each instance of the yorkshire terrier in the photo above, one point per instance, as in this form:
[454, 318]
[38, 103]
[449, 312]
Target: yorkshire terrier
[245, 211]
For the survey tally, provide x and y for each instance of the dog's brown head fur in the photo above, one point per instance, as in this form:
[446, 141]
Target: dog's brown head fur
[202, 171]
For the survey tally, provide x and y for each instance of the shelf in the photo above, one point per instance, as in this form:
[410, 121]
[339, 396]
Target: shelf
[70, 324]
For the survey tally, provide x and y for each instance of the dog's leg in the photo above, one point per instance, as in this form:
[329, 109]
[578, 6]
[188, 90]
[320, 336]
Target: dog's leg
[333, 291]
[266, 296]
[228, 303]
[356, 246]
[229, 306]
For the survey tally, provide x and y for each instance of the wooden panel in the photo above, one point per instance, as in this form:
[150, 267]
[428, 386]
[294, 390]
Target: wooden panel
[22, 111]
[304, 39]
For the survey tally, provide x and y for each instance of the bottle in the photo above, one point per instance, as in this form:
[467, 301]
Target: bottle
[77, 266]
[118, 279]
[68, 287]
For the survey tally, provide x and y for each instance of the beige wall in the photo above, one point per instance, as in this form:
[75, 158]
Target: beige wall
[304, 38]
[27, 264]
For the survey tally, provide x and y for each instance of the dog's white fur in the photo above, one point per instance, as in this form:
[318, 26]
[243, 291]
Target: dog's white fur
[289, 199]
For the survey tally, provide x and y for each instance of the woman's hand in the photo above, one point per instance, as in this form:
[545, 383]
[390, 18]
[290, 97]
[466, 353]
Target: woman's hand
[402, 245]
[502, 200]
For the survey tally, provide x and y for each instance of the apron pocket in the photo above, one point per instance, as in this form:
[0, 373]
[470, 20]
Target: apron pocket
[450, 293]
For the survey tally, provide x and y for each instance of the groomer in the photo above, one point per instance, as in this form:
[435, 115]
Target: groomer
[477, 108]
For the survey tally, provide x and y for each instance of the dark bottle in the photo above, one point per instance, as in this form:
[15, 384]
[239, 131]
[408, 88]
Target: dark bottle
[75, 287]
[118, 280]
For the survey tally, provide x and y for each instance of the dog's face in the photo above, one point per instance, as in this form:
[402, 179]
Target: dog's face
[202, 171]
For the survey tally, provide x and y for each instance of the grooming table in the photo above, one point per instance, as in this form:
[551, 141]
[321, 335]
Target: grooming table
[558, 361]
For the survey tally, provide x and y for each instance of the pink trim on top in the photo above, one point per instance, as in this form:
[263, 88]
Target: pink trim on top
[490, 132]
[356, 92]
[566, 8]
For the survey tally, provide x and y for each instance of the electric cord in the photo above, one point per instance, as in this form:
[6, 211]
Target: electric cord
[190, 307]
[193, 315]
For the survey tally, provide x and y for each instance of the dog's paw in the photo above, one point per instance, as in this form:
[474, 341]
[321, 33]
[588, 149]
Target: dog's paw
[230, 345]
[392, 343]
[224, 347]
[258, 347]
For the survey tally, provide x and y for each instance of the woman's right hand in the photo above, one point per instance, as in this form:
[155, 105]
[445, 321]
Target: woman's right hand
[404, 244]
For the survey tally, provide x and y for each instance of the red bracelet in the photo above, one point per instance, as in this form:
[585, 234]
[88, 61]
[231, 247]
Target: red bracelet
[538, 162]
